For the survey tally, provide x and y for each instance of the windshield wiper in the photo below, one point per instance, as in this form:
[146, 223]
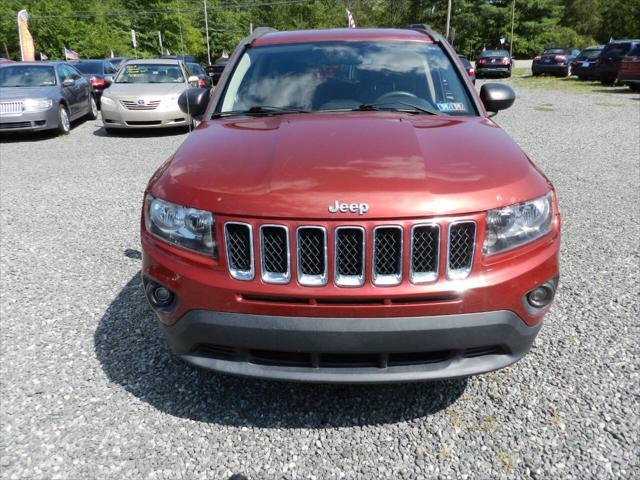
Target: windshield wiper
[259, 110]
[408, 107]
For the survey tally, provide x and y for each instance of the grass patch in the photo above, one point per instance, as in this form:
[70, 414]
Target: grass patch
[506, 461]
[609, 104]
[519, 72]
[567, 84]
[544, 107]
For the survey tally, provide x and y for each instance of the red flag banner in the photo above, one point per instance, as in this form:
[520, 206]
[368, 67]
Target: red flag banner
[70, 54]
[350, 20]
[27, 49]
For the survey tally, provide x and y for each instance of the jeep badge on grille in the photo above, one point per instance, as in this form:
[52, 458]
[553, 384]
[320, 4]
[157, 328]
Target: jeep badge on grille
[359, 208]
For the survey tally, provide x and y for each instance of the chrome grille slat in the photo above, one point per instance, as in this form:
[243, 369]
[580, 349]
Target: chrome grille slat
[134, 105]
[425, 253]
[461, 247]
[274, 254]
[10, 107]
[349, 256]
[387, 255]
[312, 256]
[239, 246]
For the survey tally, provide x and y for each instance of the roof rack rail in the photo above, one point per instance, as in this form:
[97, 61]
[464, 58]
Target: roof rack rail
[424, 28]
[260, 31]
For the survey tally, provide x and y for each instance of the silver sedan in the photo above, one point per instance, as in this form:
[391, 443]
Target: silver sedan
[144, 94]
[43, 96]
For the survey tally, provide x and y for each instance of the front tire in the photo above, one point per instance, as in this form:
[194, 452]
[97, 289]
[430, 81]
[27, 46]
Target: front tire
[64, 122]
[93, 108]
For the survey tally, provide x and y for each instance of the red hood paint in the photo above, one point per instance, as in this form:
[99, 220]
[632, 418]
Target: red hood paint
[298, 165]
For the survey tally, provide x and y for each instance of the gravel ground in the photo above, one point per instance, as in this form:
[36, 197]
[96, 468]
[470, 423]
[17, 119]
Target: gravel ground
[89, 389]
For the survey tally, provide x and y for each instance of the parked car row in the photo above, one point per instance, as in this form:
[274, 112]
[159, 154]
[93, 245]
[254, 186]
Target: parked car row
[617, 60]
[134, 94]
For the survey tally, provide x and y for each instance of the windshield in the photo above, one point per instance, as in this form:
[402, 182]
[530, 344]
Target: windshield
[150, 73]
[494, 53]
[555, 51]
[616, 49]
[195, 69]
[27, 76]
[90, 67]
[589, 54]
[346, 75]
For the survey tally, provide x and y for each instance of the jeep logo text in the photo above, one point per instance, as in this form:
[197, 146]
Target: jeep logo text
[359, 208]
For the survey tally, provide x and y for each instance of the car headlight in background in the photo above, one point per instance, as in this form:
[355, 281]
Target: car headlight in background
[515, 225]
[184, 227]
[37, 104]
[107, 101]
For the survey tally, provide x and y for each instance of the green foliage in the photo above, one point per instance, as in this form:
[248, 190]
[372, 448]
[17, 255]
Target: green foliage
[94, 28]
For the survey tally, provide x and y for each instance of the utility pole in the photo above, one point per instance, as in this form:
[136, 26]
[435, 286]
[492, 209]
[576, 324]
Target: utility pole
[448, 19]
[513, 17]
[160, 40]
[206, 28]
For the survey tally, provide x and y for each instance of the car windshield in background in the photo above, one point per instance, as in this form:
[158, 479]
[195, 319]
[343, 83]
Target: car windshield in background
[556, 51]
[590, 54]
[195, 69]
[90, 67]
[347, 76]
[27, 76]
[494, 53]
[616, 49]
[635, 51]
[465, 62]
[150, 73]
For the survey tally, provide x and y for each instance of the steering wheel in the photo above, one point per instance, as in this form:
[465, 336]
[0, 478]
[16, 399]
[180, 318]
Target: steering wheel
[395, 94]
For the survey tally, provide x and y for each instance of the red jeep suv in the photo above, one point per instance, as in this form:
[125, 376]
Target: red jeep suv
[346, 211]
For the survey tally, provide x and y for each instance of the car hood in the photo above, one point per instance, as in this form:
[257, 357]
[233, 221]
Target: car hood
[144, 90]
[297, 166]
[8, 93]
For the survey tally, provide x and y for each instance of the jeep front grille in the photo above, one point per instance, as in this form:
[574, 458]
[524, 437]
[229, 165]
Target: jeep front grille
[462, 238]
[349, 256]
[387, 255]
[425, 252]
[386, 258]
[239, 243]
[312, 256]
[274, 253]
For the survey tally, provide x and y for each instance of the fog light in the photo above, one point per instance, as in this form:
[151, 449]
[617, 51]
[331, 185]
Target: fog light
[160, 296]
[541, 296]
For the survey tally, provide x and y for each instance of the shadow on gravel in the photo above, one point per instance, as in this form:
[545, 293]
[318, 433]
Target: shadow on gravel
[133, 354]
[22, 136]
[140, 133]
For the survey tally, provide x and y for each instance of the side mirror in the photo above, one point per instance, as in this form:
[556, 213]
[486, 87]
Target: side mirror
[194, 101]
[497, 96]
[68, 82]
[108, 80]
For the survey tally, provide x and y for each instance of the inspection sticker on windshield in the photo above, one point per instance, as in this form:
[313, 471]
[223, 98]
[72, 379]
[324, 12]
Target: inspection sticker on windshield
[452, 107]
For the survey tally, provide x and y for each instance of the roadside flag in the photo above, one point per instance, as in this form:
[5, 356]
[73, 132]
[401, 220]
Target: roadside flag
[350, 20]
[43, 57]
[70, 54]
[27, 48]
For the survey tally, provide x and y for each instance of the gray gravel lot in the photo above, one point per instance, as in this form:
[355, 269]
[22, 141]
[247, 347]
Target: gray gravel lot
[89, 389]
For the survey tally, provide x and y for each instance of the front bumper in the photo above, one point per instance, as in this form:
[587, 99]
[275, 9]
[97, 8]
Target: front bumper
[491, 70]
[116, 116]
[30, 121]
[556, 68]
[351, 350]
